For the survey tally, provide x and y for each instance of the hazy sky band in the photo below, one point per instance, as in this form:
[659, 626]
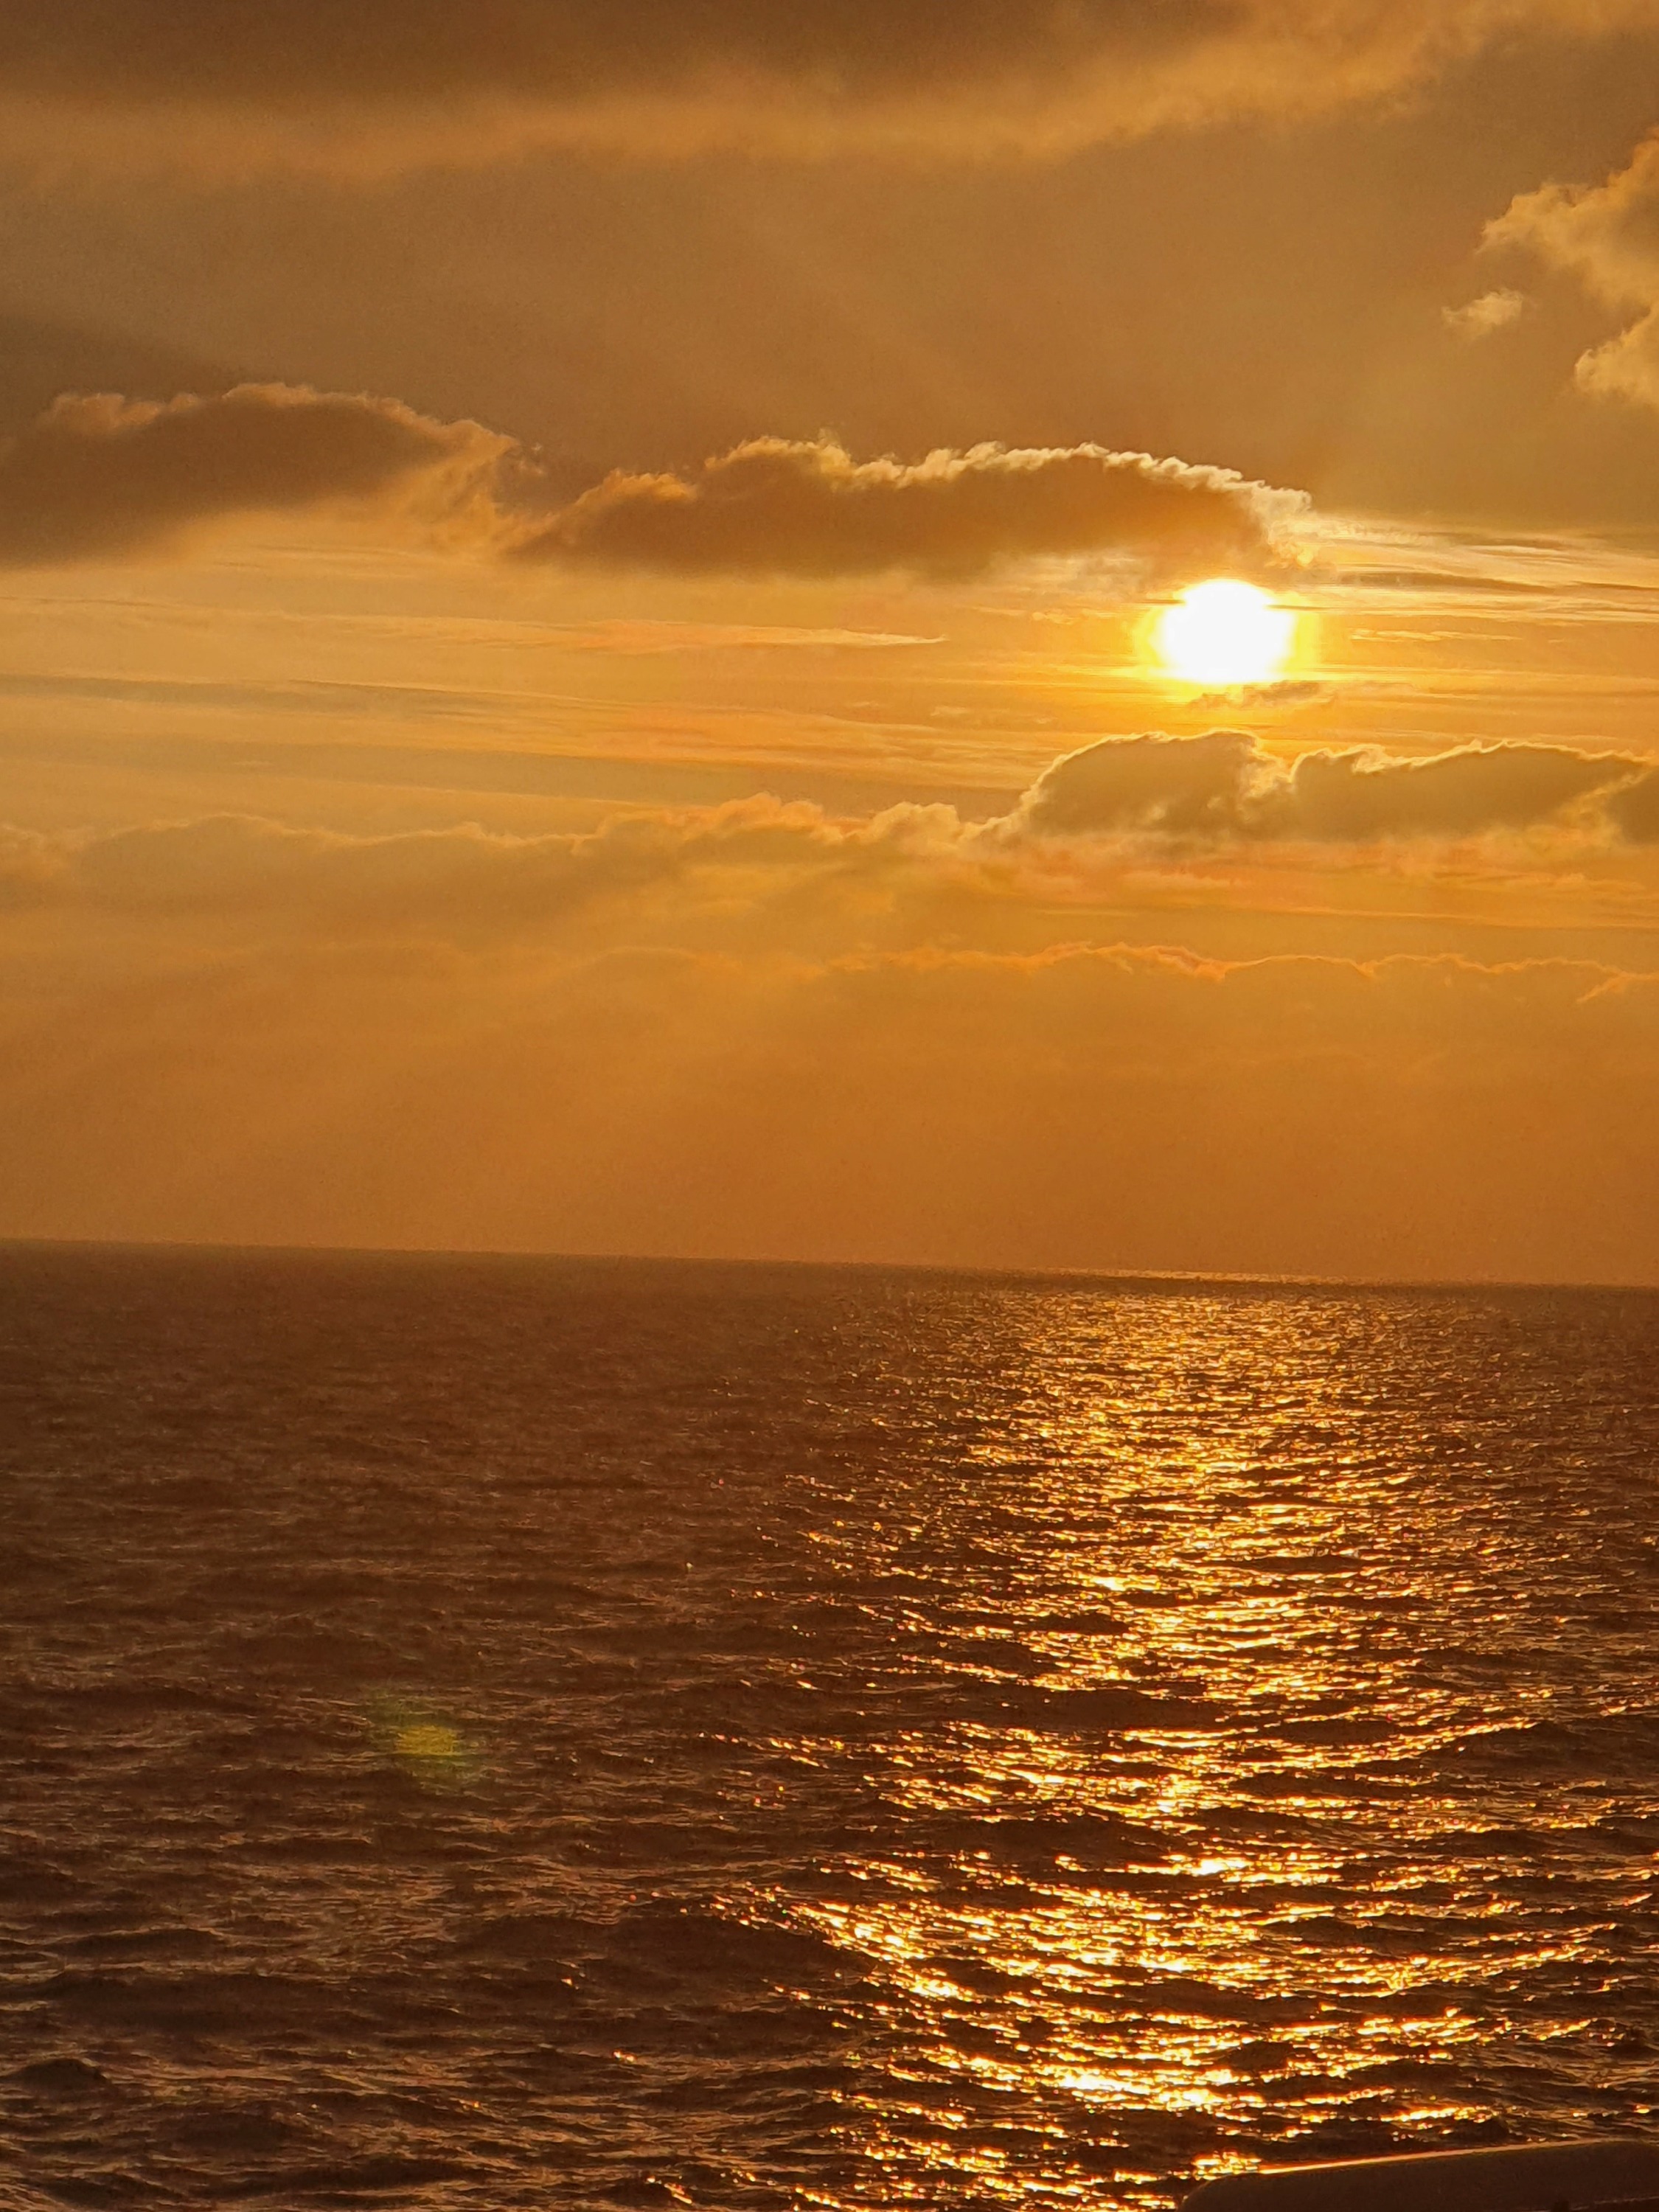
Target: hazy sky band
[588, 598]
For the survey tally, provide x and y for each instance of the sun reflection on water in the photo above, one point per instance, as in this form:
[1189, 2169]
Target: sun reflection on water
[1204, 1841]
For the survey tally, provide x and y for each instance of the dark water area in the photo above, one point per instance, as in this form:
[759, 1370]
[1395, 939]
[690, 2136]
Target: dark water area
[518, 1733]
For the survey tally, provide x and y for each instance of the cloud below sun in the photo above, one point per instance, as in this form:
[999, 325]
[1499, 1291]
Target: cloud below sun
[653, 1035]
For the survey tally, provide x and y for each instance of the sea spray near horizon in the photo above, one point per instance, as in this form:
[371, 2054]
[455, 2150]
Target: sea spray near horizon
[507, 1733]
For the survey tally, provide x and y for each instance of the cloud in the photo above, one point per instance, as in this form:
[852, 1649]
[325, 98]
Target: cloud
[1634, 808]
[244, 868]
[401, 1063]
[103, 477]
[1178, 786]
[1225, 785]
[1298, 692]
[107, 476]
[755, 1028]
[765, 856]
[42, 357]
[1480, 319]
[1222, 787]
[387, 82]
[776, 507]
[1608, 236]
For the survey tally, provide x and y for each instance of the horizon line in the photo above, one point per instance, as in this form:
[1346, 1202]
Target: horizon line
[1174, 1278]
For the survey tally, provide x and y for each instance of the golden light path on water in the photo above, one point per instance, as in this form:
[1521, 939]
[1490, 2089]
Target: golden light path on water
[1249, 1867]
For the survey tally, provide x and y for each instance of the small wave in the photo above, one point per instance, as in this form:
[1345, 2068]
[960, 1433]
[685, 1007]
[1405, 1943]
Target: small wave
[60, 2078]
[361, 2177]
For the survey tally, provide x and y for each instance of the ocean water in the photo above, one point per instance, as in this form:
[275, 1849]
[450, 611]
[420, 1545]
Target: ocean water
[510, 1732]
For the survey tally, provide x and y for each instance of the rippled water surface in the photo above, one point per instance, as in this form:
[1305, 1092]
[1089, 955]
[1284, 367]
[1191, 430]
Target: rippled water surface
[513, 1733]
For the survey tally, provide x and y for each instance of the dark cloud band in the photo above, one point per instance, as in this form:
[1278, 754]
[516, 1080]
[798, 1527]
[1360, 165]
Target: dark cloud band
[268, 51]
[331, 82]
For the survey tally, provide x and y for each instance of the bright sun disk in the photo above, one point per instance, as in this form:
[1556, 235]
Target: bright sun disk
[1223, 632]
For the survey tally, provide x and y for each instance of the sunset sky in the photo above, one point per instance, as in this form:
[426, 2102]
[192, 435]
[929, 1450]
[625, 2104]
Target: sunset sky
[588, 657]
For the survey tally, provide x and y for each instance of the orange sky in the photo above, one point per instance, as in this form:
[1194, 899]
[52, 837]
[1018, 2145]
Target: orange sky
[580, 666]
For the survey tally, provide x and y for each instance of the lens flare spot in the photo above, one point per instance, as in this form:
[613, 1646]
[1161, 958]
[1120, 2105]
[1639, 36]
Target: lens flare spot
[1225, 632]
[427, 1740]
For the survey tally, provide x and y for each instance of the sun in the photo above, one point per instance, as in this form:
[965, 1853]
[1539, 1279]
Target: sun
[1222, 633]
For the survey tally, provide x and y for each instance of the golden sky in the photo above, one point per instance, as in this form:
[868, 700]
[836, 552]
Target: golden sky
[597, 647]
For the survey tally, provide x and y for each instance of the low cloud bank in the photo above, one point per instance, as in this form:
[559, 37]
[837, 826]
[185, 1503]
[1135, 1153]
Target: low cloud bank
[761, 856]
[1109, 1107]
[755, 1029]
[468, 881]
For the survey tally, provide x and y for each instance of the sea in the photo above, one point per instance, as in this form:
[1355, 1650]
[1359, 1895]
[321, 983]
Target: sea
[510, 1732]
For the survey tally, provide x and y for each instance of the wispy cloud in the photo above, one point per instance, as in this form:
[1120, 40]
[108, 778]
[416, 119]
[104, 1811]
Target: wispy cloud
[1608, 236]
[1491, 312]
